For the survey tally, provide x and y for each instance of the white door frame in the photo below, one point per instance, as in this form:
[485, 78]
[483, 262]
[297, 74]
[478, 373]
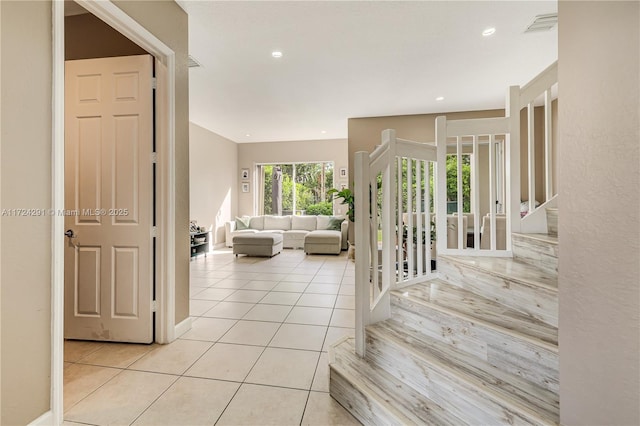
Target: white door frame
[165, 260]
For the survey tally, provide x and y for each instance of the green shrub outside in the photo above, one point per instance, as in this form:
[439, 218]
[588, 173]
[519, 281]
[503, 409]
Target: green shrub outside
[323, 208]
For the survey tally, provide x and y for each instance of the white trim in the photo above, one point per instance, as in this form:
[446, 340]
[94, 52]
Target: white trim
[165, 318]
[182, 327]
[47, 419]
[57, 222]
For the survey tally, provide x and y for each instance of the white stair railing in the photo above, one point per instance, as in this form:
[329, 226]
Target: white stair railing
[539, 94]
[391, 183]
[483, 228]
[495, 199]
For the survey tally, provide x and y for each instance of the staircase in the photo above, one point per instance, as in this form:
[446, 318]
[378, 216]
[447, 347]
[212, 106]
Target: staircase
[478, 345]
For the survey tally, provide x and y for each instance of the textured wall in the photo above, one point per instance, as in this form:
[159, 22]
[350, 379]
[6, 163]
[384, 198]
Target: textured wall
[599, 223]
[25, 165]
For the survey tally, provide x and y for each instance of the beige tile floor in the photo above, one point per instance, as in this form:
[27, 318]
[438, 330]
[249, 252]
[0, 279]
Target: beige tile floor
[256, 354]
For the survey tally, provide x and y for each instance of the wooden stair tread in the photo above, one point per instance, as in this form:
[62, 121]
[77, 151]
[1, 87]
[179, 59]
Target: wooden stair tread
[374, 381]
[460, 301]
[508, 269]
[516, 392]
[545, 238]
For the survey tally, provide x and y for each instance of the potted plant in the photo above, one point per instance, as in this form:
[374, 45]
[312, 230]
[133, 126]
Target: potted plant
[347, 199]
[432, 238]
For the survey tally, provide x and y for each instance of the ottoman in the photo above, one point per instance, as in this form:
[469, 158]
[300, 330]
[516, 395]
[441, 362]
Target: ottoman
[323, 242]
[258, 244]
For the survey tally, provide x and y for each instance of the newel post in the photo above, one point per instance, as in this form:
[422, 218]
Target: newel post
[363, 289]
[441, 184]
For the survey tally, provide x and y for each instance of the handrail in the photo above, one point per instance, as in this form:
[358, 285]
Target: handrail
[381, 179]
[393, 202]
[502, 187]
[532, 90]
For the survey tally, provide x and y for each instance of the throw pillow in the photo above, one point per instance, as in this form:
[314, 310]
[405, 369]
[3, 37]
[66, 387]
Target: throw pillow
[335, 223]
[242, 223]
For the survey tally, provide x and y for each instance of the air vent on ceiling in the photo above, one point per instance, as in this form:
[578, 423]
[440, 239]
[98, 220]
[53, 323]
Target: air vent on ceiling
[543, 23]
[193, 63]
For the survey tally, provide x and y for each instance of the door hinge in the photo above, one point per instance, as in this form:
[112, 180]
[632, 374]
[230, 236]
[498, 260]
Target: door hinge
[154, 83]
[154, 158]
[154, 306]
[154, 231]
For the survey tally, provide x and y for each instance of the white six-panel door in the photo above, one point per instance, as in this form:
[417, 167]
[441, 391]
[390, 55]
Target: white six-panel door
[108, 199]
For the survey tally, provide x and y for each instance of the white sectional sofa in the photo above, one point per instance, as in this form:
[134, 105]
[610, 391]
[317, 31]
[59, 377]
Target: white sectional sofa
[294, 229]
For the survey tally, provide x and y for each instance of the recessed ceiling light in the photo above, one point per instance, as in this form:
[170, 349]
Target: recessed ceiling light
[323, 131]
[276, 54]
[440, 98]
[248, 135]
[489, 31]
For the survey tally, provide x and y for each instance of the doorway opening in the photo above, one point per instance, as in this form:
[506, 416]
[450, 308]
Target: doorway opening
[165, 231]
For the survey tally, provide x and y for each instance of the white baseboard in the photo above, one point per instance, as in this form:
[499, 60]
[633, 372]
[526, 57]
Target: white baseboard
[183, 327]
[44, 420]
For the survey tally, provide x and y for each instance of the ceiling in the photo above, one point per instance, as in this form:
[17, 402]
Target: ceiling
[354, 59]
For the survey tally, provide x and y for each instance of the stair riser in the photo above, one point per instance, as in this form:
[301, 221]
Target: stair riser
[366, 408]
[504, 351]
[539, 302]
[537, 253]
[363, 408]
[444, 388]
[552, 222]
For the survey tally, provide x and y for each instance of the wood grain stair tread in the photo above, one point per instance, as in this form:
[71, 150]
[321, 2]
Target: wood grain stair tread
[455, 300]
[506, 268]
[513, 392]
[544, 238]
[376, 386]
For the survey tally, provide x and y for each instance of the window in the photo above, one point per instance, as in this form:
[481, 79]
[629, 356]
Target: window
[295, 188]
[452, 183]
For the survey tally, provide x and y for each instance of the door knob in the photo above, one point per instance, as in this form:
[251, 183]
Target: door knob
[69, 233]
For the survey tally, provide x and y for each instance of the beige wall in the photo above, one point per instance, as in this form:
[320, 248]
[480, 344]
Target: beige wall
[25, 175]
[250, 154]
[213, 180]
[364, 135]
[599, 229]
[86, 36]
[167, 21]
[25, 168]
[539, 125]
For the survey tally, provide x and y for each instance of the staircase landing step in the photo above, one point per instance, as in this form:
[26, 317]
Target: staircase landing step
[462, 302]
[515, 395]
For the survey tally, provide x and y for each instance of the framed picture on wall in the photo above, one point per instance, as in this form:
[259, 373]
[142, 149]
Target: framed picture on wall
[343, 172]
[245, 186]
[343, 185]
[244, 175]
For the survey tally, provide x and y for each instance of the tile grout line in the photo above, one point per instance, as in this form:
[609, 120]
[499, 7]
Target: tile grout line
[250, 370]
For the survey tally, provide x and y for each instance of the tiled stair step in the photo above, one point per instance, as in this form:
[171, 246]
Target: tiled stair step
[375, 397]
[442, 296]
[540, 250]
[502, 337]
[474, 391]
[552, 221]
[520, 286]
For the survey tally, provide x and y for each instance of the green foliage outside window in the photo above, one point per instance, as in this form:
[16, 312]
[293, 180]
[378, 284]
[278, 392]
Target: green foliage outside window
[311, 182]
